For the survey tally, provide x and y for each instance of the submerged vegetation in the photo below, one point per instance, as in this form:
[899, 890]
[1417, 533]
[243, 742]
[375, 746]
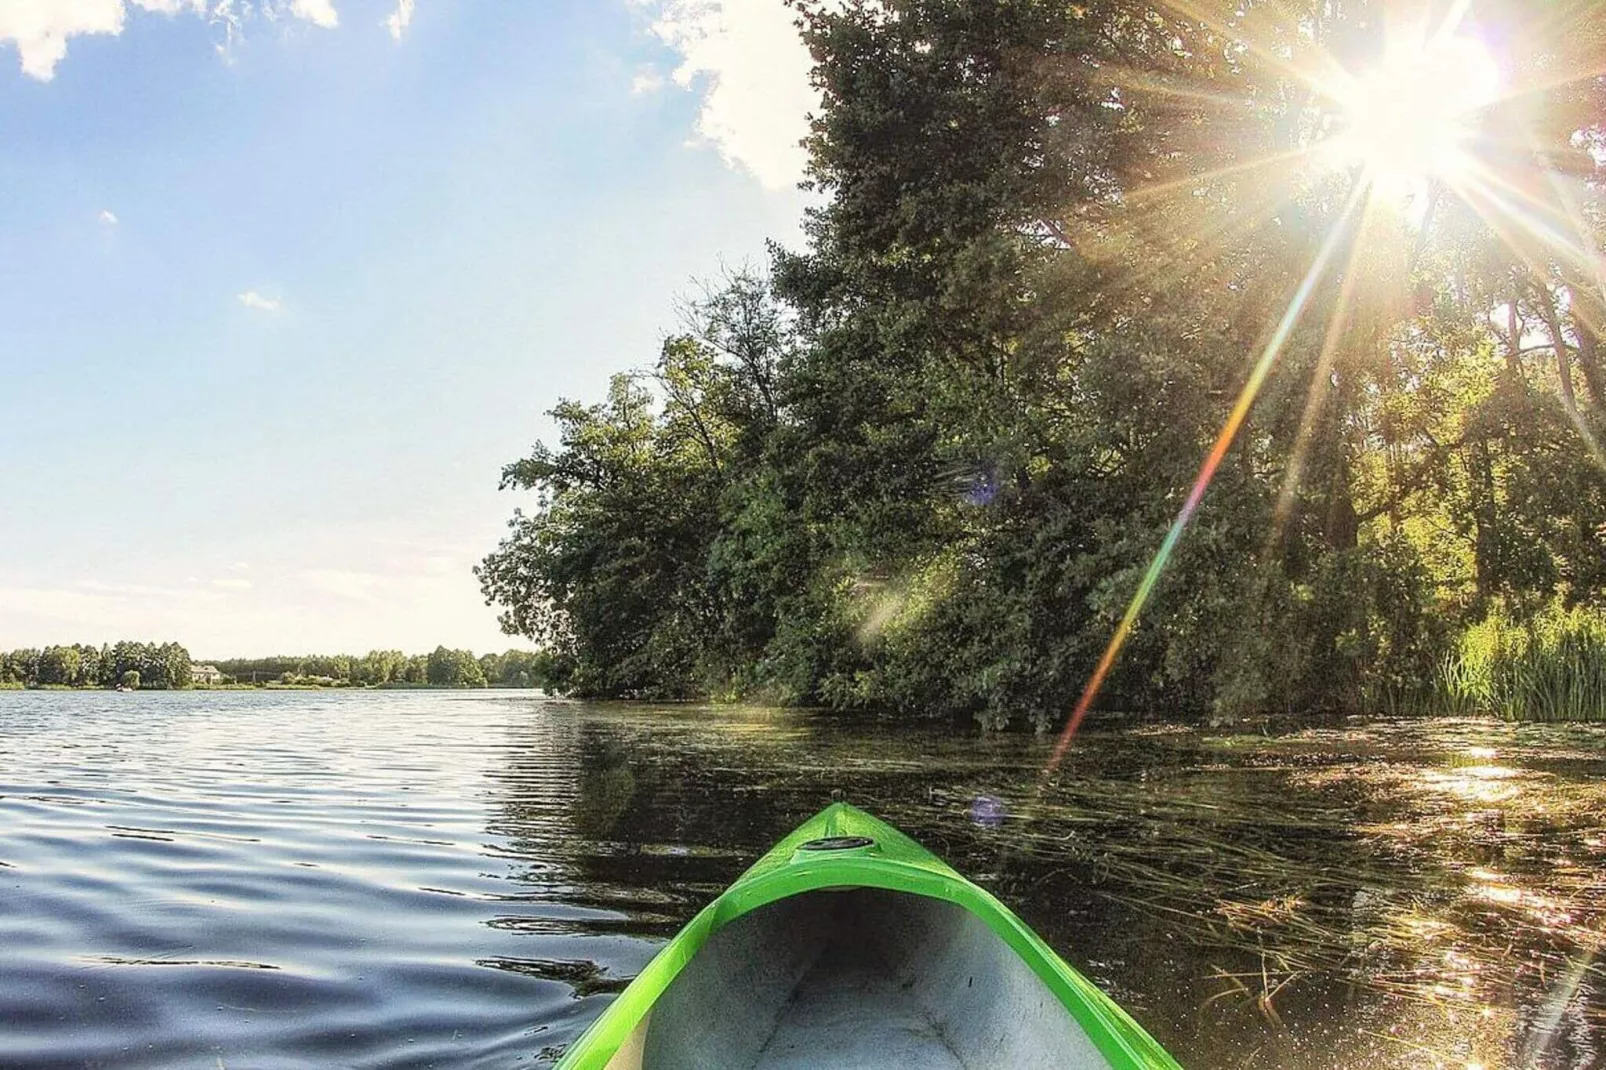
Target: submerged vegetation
[930, 462]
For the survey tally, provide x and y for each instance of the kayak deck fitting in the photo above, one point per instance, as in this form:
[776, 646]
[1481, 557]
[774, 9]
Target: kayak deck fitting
[847, 946]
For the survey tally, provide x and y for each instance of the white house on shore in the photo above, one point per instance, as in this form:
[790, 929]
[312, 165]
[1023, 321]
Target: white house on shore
[205, 675]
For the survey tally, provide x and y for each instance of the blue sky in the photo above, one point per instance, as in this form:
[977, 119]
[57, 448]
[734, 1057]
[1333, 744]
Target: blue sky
[283, 286]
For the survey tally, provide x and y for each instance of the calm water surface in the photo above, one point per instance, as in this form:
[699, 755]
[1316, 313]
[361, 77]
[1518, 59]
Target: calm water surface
[405, 879]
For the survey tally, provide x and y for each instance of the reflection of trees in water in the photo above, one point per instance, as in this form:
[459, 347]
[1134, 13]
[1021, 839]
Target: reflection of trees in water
[550, 807]
[674, 809]
[534, 790]
[585, 977]
[607, 785]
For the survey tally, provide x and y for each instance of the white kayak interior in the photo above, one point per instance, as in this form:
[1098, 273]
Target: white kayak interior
[853, 980]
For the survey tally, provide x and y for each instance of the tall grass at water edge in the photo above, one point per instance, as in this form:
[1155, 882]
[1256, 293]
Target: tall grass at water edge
[1549, 668]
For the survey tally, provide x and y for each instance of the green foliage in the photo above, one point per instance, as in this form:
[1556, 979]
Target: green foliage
[923, 466]
[59, 665]
[617, 571]
[375, 667]
[517, 668]
[129, 678]
[1551, 667]
[454, 668]
[167, 666]
[384, 668]
[161, 666]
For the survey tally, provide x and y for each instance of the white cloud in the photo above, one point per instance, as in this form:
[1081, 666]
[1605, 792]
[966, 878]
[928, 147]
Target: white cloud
[252, 299]
[344, 583]
[400, 19]
[107, 217]
[318, 12]
[325, 587]
[40, 29]
[646, 80]
[128, 590]
[98, 611]
[67, 605]
[747, 60]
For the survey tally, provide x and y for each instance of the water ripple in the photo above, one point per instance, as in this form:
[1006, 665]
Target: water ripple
[414, 879]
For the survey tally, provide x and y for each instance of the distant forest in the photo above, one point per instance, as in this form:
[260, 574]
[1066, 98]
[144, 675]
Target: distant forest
[169, 666]
[156, 666]
[377, 668]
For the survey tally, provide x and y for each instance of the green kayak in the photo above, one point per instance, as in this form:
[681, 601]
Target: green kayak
[847, 946]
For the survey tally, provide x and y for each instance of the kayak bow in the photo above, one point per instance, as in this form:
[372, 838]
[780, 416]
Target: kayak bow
[850, 945]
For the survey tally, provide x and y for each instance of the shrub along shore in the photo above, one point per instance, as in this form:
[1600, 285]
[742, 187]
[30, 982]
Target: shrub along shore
[1551, 667]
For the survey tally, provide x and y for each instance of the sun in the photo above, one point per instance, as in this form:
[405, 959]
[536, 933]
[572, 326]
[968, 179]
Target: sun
[1415, 116]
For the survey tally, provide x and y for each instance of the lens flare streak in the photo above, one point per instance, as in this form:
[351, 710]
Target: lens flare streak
[1506, 217]
[1218, 452]
[1418, 117]
[1319, 381]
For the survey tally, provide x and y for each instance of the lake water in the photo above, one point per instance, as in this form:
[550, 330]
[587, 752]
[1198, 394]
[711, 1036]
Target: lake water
[463, 879]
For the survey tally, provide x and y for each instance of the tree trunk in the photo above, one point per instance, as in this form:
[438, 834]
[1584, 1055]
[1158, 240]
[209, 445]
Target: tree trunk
[1564, 371]
[1588, 314]
[1343, 524]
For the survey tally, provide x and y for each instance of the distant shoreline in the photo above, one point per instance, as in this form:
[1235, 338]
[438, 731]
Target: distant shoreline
[276, 685]
[142, 666]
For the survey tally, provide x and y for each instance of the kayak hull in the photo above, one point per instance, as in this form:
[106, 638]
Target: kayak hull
[849, 945]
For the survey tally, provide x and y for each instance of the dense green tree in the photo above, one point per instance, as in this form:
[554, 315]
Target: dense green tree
[379, 667]
[59, 665]
[522, 668]
[926, 469]
[21, 666]
[90, 673]
[624, 571]
[454, 668]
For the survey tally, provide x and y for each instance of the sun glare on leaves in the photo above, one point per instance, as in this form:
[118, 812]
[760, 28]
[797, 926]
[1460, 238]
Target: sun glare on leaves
[1414, 117]
[1429, 107]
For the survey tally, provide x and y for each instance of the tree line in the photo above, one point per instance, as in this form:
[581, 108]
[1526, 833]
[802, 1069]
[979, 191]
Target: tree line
[169, 666]
[923, 463]
[442, 667]
[157, 666]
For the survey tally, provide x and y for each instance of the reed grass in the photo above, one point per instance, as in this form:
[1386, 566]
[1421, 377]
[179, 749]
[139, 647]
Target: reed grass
[1549, 668]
